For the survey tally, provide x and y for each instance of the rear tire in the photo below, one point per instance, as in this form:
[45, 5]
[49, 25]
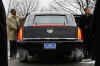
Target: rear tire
[23, 55]
[77, 55]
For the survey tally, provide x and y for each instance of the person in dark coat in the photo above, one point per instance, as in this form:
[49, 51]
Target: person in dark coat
[96, 33]
[3, 36]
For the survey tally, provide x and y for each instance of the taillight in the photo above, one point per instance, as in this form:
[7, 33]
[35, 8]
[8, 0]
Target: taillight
[79, 35]
[20, 34]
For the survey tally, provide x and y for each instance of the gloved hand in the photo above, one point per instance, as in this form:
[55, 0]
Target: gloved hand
[27, 14]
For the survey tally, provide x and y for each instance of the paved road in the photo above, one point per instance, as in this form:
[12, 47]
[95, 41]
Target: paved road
[43, 62]
[57, 62]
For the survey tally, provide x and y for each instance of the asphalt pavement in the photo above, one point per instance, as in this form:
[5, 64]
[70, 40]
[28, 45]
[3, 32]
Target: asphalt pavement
[35, 61]
[52, 62]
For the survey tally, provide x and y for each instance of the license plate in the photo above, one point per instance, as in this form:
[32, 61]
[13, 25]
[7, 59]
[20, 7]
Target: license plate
[50, 45]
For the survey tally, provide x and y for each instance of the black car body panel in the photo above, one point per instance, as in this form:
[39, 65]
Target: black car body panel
[64, 36]
[58, 32]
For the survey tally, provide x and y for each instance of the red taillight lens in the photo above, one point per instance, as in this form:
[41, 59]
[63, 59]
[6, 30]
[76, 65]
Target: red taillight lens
[20, 34]
[79, 35]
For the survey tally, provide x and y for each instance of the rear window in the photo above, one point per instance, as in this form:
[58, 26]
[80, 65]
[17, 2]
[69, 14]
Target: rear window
[50, 19]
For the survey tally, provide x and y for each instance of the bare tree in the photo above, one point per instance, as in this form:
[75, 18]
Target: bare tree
[85, 4]
[23, 7]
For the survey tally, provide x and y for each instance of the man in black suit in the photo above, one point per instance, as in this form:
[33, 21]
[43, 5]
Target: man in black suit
[97, 32]
[3, 36]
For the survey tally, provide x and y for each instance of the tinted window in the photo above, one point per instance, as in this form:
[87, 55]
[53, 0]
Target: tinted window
[50, 19]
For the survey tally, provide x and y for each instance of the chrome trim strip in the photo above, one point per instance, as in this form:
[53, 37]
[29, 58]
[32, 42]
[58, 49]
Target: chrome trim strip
[52, 38]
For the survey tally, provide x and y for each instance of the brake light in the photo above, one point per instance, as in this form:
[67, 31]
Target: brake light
[80, 35]
[20, 34]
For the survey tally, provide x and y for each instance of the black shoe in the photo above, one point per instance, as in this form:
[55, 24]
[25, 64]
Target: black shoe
[93, 58]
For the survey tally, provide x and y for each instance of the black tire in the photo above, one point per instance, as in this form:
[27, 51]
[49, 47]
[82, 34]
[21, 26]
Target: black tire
[78, 59]
[23, 55]
[78, 55]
